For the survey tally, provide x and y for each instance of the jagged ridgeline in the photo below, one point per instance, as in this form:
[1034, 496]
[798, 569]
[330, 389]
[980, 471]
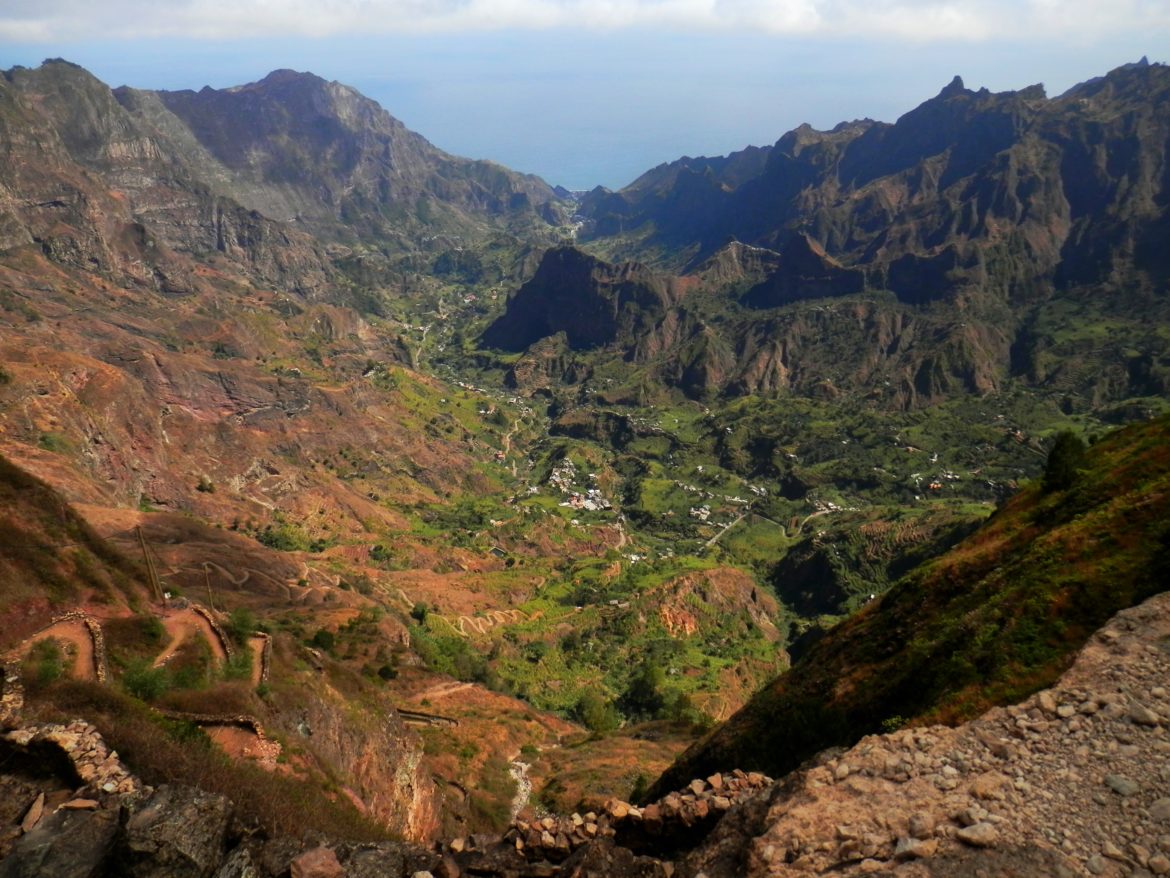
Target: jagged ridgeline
[283, 176]
[981, 238]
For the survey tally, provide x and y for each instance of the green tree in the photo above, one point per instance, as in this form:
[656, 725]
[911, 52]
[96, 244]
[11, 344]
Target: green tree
[324, 639]
[644, 698]
[1064, 462]
[595, 713]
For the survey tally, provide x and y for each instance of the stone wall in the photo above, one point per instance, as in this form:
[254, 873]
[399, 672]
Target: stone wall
[225, 641]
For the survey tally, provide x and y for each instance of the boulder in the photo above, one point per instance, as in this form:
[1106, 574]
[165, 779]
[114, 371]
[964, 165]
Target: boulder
[66, 844]
[320, 862]
[604, 859]
[179, 832]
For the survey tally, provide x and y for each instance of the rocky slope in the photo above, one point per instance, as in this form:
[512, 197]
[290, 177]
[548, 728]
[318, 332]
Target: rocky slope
[593, 303]
[1072, 781]
[269, 161]
[966, 180]
[318, 154]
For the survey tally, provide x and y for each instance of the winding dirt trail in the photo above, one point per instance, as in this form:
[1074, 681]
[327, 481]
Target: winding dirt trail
[478, 624]
[75, 633]
[247, 574]
[442, 690]
[257, 645]
[184, 624]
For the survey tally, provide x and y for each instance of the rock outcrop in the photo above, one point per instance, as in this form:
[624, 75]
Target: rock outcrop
[593, 303]
[1074, 780]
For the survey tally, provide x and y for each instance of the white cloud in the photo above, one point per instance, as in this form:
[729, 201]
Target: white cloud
[918, 20]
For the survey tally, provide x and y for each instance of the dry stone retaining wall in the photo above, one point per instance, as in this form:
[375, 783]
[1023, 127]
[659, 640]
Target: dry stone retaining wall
[225, 641]
[95, 763]
[100, 666]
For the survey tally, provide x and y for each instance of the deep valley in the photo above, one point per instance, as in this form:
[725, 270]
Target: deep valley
[401, 511]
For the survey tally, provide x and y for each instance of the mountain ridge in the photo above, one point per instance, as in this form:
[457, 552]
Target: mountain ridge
[957, 231]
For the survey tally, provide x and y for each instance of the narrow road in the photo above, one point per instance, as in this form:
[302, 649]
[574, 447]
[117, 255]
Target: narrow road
[257, 646]
[726, 528]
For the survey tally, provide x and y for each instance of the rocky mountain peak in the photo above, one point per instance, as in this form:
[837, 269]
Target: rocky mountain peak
[285, 75]
[952, 88]
[592, 302]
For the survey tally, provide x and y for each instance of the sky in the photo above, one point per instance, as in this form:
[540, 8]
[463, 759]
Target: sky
[595, 92]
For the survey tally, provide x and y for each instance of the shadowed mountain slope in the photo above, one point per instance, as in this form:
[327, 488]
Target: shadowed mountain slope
[994, 619]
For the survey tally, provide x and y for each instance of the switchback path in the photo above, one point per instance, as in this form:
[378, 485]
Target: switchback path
[184, 624]
[75, 633]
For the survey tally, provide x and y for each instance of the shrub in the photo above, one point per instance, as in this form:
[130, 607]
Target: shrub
[323, 639]
[46, 660]
[53, 442]
[595, 713]
[284, 537]
[241, 625]
[239, 666]
[144, 682]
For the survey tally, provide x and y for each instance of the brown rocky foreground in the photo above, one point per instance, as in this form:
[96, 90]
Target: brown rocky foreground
[1074, 781]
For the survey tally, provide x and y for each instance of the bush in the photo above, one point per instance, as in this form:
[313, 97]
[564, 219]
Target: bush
[239, 666]
[53, 442]
[595, 713]
[241, 625]
[46, 660]
[324, 639]
[144, 682]
[284, 537]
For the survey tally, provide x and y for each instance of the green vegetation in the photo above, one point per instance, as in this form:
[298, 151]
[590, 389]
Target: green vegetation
[241, 625]
[989, 622]
[45, 662]
[145, 682]
[285, 536]
[1064, 462]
